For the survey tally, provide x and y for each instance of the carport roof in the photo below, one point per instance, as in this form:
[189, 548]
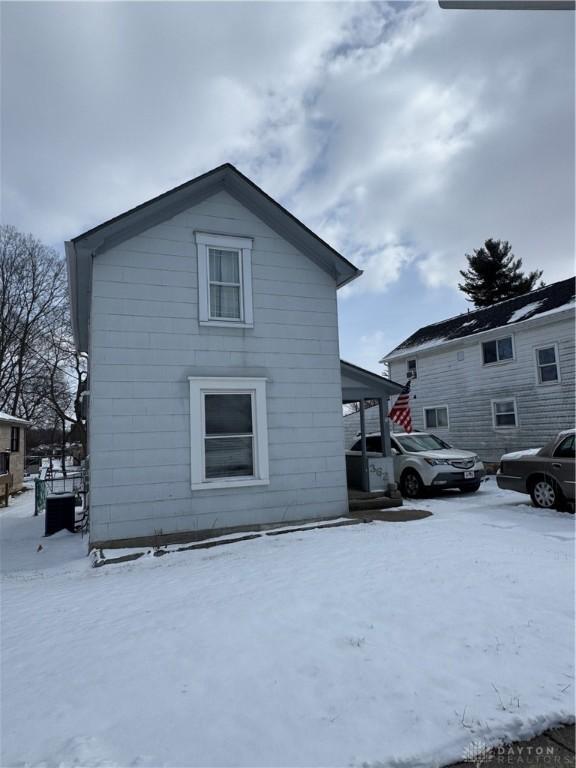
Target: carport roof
[360, 384]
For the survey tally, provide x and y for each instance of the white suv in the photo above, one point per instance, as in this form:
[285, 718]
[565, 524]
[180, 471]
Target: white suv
[422, 460]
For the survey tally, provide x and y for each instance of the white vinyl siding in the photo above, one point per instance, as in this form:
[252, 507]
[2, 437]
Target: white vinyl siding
[504, 413]
[467, 387]
[547, 364]
[497, 350]
[147, 339]
[436, 417]
[224, 280]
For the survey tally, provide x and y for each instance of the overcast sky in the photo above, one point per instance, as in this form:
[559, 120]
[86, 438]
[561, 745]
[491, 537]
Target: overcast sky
[403, 134]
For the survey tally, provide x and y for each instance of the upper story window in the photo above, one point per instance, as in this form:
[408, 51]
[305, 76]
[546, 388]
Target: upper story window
[498, 350]
[15, 439]
[224, 280]
[547, 364]
[411, 369]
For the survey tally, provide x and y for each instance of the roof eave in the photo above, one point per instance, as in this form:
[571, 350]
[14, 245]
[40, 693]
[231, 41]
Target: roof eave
[418, 350]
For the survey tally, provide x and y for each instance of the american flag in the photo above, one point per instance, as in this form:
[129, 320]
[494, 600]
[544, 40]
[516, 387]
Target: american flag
[400, 411]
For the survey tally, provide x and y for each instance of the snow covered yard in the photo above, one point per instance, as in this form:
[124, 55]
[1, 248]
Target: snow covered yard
[373, 645]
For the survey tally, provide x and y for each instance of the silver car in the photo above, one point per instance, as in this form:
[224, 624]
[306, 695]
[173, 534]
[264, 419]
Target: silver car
[547, 473]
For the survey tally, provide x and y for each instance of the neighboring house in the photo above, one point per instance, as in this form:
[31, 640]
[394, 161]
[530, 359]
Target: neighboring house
[497, 379]
[12, 448]
[209, 314]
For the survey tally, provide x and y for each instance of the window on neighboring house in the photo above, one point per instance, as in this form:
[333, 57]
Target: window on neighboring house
[229, 438]
[498, 350]
[15, 439]
[436, 418]
[547, 364]
[504, 413]
[224, 279]
[411, 370]
[4, 463]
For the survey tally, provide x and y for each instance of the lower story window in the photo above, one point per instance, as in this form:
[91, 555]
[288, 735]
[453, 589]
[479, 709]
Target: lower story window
[229, 436]
[4, 463]
[435, 418]
[504, 413]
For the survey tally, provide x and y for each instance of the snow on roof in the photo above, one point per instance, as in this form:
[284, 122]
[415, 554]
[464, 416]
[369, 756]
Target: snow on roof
[553, 298]
[7, 417]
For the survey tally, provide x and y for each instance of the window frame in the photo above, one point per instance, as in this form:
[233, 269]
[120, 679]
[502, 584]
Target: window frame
[412, 373]
[436, 408]
[201, 386]
[505, 400]
[552, 345]
[496, 340]
[14, 432]
[243, 246]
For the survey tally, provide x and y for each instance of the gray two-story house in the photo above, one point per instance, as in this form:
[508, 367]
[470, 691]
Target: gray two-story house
[496, 379]
[215, 385]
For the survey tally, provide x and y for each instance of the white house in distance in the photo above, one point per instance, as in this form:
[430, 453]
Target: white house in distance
[209, 315]
[497, 379]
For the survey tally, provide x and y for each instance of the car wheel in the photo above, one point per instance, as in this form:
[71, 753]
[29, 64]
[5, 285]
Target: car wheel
[411, 484]
[472, 488]
[545, 494]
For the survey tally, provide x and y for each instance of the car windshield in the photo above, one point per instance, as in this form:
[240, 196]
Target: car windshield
[416, 443]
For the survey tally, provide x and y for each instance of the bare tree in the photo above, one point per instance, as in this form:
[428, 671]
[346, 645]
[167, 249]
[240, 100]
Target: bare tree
[33, 299]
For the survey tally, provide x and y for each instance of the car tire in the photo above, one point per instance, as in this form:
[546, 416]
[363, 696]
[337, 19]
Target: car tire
[545, 493]
[471, 488]
[411, 485]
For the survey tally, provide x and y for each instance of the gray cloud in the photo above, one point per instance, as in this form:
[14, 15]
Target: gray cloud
[404, 134]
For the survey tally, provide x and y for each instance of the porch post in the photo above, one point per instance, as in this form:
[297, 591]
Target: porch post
[365, 483]
[384, 427]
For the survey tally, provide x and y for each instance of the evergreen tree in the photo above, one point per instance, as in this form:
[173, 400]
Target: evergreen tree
[495, 274]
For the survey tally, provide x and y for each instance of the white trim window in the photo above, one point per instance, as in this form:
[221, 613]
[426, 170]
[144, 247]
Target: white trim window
[228, 432]
[504, 413]
[224, 280]
[411, 369]
[436, 417]
[547, 364]
[497, 350]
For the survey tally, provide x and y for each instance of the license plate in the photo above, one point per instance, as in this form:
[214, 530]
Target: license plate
[469, 475]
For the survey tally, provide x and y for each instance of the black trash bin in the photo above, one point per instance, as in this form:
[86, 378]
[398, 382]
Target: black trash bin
[60, 513]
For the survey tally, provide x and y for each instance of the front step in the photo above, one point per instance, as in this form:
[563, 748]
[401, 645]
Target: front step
[354, 495]
[373, 501]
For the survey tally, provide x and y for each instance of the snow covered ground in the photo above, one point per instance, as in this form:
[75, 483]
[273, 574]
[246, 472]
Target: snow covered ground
[390, 644]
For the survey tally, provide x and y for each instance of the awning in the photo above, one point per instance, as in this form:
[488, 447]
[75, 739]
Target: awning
[360, 384]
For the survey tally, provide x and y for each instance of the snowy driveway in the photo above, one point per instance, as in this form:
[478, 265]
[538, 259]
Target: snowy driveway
[389, 644]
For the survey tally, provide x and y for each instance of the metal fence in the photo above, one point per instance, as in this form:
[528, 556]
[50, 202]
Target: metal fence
[72, 483]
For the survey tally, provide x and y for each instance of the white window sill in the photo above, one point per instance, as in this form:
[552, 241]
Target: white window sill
[499, 362]
[231, 483]
[549, 383]
[226, 323]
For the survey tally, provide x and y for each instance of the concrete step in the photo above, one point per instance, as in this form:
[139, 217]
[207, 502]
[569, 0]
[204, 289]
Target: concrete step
[354, 494]
[376, 502]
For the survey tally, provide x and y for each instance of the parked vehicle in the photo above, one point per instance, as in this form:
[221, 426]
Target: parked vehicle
[422, 460]
[547, 473]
